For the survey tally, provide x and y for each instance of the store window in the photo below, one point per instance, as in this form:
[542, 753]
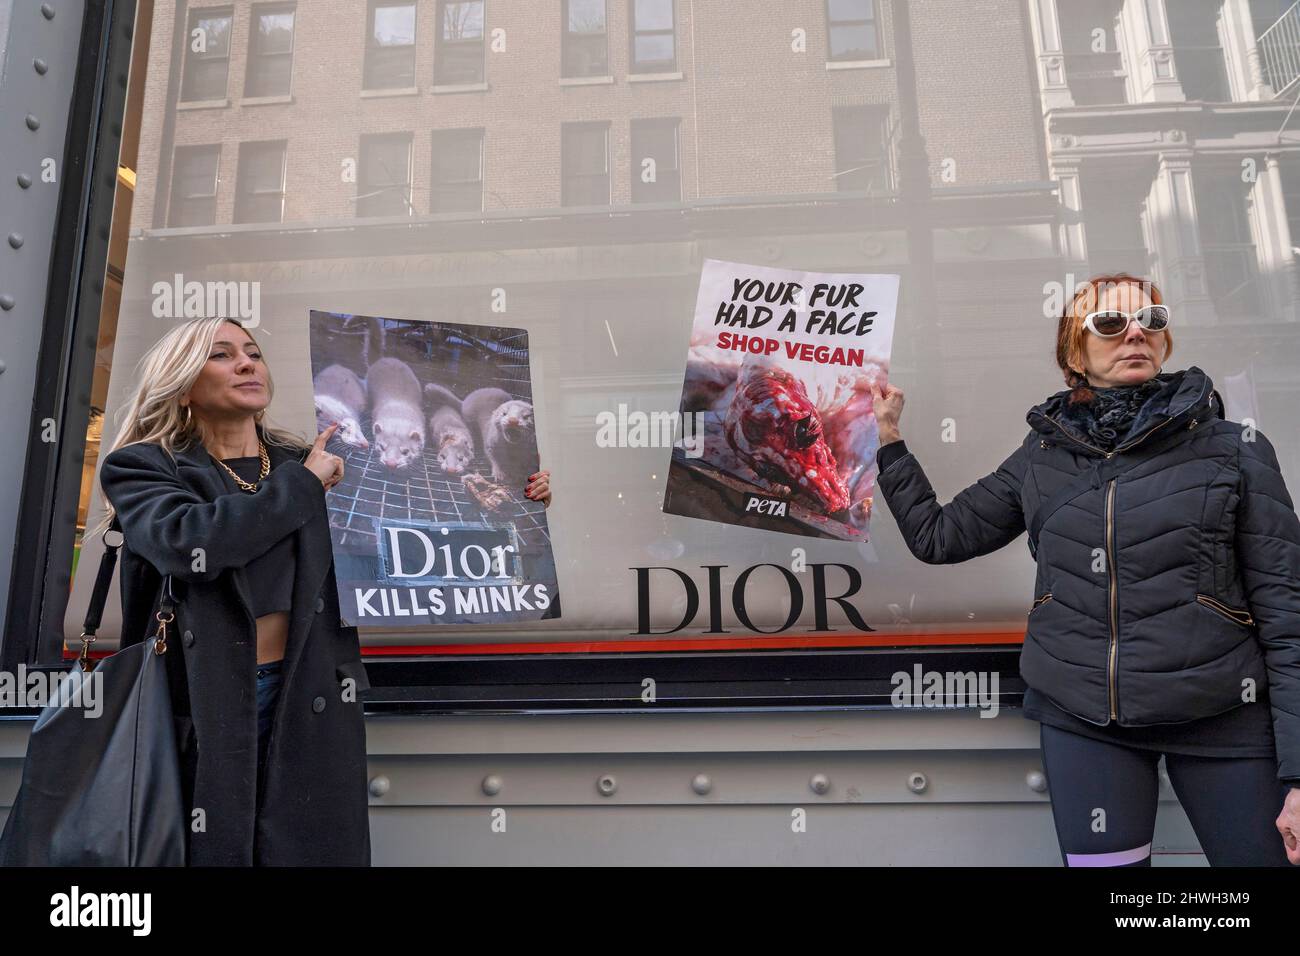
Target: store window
[585, 47]
[459, 57]
[270, 51]
[852, 30]
[207, 54]
[194, 186]
[457, 183]
[384, 175]
[656, 168]
[260, 182]
[559, 235]
[390, 46]
[654, 39]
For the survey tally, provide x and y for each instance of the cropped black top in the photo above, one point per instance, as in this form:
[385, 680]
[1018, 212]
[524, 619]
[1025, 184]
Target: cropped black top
[270, 575]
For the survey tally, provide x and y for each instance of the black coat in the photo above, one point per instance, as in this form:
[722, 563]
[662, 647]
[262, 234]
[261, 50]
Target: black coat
[187, 514]
[1199, 589]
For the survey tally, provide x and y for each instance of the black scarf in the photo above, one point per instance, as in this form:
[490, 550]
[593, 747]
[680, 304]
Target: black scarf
[1109, 416]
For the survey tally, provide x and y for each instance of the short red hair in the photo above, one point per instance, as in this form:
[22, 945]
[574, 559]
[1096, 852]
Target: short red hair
[1070, 330]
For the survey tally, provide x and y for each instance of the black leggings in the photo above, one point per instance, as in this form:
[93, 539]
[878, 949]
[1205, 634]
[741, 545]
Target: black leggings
[1104, 802]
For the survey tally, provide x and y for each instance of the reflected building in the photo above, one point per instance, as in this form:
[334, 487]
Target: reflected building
[565, 167]
[1172, 130]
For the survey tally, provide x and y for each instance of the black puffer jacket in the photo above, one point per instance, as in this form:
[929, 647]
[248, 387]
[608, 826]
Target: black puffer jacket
[1162, 594]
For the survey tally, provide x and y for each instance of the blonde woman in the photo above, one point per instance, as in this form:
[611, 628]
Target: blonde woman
[266, 684]
[1166, 617]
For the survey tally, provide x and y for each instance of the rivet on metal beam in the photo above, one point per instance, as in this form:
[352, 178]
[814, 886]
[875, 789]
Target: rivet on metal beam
[820, 784]
[607, 785]
[47, 11]
[492, 784]
[40, 66]
[1036, 781]
[3, 366]
[917, 783]
[32, 122]
[379, 786]
[24, 180]
[702, 784]
[6, 302]
[15, 240]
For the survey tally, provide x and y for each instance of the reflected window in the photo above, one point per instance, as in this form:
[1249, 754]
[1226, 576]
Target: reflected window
[585, 44]
[656, 175]
[457, 183]
[1113, 206]
[1094, 68]
[584, 163]
[861, 148]
[459, 55]
[260, 182]
[270, 51]
[207, 55]
[390, 46]
[654, 43]
[1227, 245]
[384, 176]
[194, 186]
[852, 30]
[1198, 51]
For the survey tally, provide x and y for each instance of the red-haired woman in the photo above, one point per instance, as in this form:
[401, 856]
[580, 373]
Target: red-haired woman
[1166, 617]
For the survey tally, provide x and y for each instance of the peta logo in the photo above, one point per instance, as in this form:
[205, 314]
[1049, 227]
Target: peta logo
[179, 299]
[765, 506]
[102, 909]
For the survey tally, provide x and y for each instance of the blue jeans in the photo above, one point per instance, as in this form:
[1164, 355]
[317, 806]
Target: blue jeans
[269, 679]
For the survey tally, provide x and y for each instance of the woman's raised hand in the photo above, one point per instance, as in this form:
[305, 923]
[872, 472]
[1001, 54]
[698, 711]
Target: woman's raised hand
[328, 468]
[539, 487]
[888, 402]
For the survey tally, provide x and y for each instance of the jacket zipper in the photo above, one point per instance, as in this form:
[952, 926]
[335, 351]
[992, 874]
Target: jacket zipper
[1114, 597]
[1041, 601]
[1236, 615]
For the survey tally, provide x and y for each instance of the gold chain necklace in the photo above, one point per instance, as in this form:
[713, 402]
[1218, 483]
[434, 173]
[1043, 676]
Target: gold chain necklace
[266, 468]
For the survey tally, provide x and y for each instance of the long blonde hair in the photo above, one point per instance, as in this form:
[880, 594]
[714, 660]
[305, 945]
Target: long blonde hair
[164, 375]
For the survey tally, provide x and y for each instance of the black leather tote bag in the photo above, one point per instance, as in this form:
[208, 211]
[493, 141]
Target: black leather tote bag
[104, 790]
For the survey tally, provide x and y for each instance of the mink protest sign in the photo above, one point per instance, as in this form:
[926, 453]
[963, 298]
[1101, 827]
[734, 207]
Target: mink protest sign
[778, 428]
[430, 524]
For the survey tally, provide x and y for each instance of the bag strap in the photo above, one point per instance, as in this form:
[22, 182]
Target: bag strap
[103, 581]
[1102, 471]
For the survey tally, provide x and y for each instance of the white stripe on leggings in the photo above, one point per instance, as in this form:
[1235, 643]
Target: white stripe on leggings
[1119, 858]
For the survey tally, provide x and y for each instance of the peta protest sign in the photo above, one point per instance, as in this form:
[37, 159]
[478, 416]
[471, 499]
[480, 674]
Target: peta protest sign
[430, 524]
[778, 377]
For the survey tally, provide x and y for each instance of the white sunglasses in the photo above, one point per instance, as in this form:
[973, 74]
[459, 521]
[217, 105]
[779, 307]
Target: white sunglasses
[1113, 322]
